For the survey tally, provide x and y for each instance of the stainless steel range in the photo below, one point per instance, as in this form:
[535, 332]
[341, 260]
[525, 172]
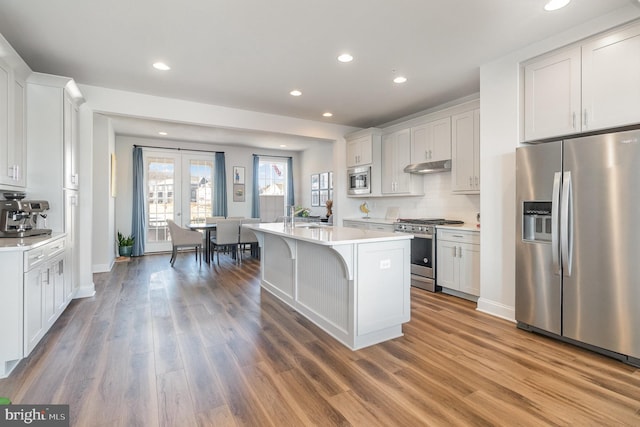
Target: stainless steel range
[423, 249]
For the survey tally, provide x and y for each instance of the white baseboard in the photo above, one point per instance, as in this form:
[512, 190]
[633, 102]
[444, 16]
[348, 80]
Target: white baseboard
[497, 309]
[85, 291]
[102, 268]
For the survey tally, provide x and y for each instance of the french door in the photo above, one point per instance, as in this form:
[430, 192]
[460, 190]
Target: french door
[179, 187]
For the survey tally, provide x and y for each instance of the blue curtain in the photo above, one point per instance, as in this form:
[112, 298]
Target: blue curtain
[220, 187]
[290, 195]
[139, 210]
[255, 197]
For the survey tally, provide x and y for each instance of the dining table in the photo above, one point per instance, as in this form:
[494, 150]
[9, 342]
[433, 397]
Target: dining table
[207, 228]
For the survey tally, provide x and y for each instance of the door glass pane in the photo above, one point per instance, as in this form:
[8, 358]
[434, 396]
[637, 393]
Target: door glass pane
[200, 189]
[161, 190]
[272, 181]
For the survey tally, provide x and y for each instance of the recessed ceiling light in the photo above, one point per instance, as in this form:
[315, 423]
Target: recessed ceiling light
[283, 146]
[556, 4]
[327, 114]
[400, 79]
[163, 133]
[345, 57]
[295, 93]
[161, 66]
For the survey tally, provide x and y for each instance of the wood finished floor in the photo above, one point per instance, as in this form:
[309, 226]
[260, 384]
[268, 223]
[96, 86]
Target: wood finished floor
[192, 345]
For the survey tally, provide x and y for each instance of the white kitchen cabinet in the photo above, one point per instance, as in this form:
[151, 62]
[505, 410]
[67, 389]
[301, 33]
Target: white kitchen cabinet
[12, 129]
[458, 261]
[611, 80]
[552, 95]
[44, 295]
[53, 139]
[589, 86]
[465, 152]
[396, 155]
[371, 224]
[362, 147]
[431, 142]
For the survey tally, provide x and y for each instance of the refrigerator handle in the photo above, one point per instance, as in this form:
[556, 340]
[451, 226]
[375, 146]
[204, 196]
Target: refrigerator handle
[555, 202]
[565, 224]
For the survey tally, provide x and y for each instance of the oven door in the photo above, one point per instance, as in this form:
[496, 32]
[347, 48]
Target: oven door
[422, 253]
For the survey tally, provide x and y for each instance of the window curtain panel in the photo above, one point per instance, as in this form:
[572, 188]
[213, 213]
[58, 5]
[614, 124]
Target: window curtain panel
[255, 196]
[139, 206]
[290, 195]
[220, 186]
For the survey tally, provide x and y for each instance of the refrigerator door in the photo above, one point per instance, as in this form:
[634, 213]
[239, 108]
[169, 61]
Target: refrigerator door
[538, 282]
[602, 291]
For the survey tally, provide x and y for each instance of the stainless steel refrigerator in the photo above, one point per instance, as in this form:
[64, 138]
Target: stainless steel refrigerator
[578, 241]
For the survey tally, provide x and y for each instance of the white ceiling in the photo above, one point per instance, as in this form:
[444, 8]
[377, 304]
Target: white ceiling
[250, 54]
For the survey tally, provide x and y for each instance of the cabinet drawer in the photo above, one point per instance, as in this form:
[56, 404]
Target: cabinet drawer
[459, 236]
[35, 257]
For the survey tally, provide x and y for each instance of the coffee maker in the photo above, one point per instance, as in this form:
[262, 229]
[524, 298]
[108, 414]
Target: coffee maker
[19, 218]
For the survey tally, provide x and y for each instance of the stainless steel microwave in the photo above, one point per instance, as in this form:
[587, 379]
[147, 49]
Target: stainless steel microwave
[359, 180]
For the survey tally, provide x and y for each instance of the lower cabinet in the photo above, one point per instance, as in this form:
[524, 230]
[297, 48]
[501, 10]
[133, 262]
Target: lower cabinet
[44, 290]
[366, 225]
[458, 261]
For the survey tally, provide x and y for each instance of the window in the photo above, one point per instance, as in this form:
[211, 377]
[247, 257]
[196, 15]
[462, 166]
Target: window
[272, 185]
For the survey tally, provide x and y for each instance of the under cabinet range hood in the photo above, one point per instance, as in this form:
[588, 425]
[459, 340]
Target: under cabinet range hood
[429, 167]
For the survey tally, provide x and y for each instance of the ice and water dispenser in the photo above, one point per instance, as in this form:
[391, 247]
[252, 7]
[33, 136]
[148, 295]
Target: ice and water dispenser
[536, 221]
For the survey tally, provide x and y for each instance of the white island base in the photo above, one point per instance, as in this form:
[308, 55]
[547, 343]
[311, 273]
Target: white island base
[354, 284]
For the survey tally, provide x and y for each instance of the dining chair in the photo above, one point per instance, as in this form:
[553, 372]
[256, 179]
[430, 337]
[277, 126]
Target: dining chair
[227, 235]
[248, 237]
[212, 220]
[183, 238]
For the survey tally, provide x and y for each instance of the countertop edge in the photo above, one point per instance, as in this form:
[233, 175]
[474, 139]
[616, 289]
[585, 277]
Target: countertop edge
[462, 227]
[11, 244]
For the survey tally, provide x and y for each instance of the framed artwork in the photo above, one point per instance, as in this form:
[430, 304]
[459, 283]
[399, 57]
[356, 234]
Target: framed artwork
[324, 180]
[324, 196]
[238, 192]
[330, 183]
[315, 198]
[238, 175]
[315, 182]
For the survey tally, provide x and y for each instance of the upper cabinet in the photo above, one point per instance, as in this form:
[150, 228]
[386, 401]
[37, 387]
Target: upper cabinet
[361, 147]
[431, 141]
[396, 155]
[12, 128]
[587, 87]
[552, 96]
[465, 149]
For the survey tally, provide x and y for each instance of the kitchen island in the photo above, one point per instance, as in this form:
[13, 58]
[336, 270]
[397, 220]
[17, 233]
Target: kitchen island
[352, 283]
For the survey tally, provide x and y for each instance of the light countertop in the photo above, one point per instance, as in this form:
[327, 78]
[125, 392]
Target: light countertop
[327, 235]
[372, 220]
[27, 243]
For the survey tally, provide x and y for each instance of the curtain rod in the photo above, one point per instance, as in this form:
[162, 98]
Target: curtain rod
[269, 155]
[176, 148]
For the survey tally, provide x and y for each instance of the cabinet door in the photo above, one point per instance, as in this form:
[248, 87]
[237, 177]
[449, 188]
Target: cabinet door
[5, 74]
[48, 294]
[58, 267]
[402, 158]
[33, 309]
[469, 261]
[18, 144]
[431, 141]
[552, 96]
[611, 80]
[465, 152]
[359, 151]
[447, 264]
[388, 177]
[70, 142]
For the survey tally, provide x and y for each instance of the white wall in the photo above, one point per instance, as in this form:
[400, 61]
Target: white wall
[500, 123]
[317, 159]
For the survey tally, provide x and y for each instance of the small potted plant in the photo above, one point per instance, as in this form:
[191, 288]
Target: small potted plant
[125, 244]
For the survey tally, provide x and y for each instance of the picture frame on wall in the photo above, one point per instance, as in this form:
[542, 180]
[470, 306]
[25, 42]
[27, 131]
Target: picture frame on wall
[315, 182]
[324, 181]
[324, 196]
[238, 175]
[315, 198]
[238, 192]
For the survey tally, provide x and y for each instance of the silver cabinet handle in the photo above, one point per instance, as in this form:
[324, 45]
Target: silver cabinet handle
[454, 251]
[477, 181]
[555, 201]
[459, 251]
[586, 125]
[426, 154]
[573, 120]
